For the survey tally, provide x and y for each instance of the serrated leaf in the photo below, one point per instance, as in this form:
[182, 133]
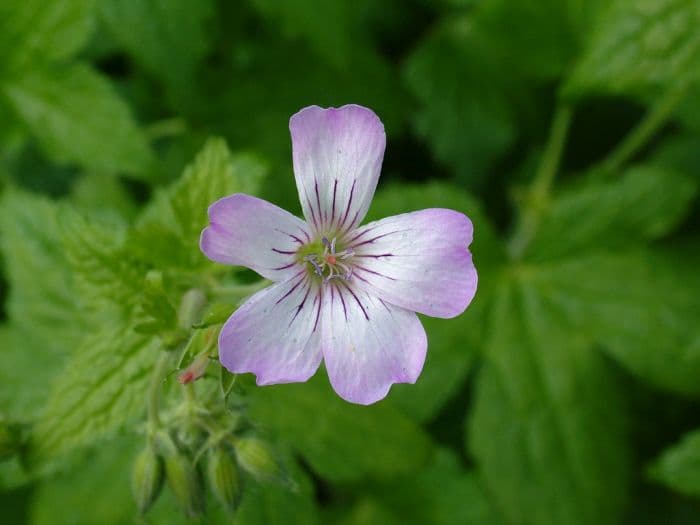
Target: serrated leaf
[453, 343]
[342, 442]
[108, 279]
[78, 118]
[168, 38]
[37, 30]
[643, 204]
[639, 47]
[102, 387]
[678, 467]
[27, 365]
[547, 428]
[643, 305]
[40, 302]
[175, 220]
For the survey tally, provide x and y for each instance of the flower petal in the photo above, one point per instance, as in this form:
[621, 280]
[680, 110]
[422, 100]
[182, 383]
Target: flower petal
[337, 155]
[247, 231]
[419, 261]
[368, 345]
[275, 334]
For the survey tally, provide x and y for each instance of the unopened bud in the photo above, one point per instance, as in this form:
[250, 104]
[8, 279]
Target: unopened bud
[147, 479]
[184, 481]
[224, 479]
[217, 313]
[191, 306]
[195, 370]
[153, 282]
[255, 456]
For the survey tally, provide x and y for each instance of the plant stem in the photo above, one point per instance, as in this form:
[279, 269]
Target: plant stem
[538, 194]
[642, 133]
[154, 390]
[542, 183]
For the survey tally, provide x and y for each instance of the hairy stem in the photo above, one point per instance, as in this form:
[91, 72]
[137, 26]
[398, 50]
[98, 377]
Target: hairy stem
[541, 185]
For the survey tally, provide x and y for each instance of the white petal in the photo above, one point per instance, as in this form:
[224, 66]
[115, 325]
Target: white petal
[337, 155]
[247, 231]
[275, 334]
[419, 261]
[368, 345]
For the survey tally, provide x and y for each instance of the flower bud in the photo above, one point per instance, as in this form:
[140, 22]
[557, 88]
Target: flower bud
[183, 479]
[256, 457]
[195, 370]
[147, 479]
[224, 479]
[191, 306]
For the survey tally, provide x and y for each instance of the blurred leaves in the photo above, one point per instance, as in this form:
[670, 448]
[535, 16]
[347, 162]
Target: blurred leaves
[639, 47]
[607, 286]
[679, 466]
[341, 441]
[167, 38]
[547, 428]
[102, 387]
[77, 118]
[32, 30]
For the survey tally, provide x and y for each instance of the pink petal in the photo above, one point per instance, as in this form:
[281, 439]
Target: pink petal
[419, 261]
[369, 345]
[247, 231]
[275, 334]
[337, 155]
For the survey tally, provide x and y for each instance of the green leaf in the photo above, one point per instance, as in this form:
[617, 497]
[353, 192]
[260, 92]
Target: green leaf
[441, 494]
[452, 343]
[102, 388]
[466, 123]
[275, 504]
[678, 467]
[547, 427]
[32, 30]
[28, 363]
[166, 37]
[643, 204]
[169, 230]
[536, 38]
[108, 279]
[642, 305]
[40, 301]
[639, 47]
[341, 441]
[335, 30]
[77, 118]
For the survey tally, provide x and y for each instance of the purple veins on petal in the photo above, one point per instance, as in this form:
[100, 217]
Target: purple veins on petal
[342, 293]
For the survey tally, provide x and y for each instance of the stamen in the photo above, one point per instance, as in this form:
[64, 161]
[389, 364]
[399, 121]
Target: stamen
[327, 265]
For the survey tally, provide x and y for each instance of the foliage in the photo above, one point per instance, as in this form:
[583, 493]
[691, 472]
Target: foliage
[567, 130]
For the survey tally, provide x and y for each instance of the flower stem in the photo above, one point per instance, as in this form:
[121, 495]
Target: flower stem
[541, 185]
[642, 133]
[155, 388]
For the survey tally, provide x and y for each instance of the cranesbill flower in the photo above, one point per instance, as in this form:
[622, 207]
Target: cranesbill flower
[341, 292]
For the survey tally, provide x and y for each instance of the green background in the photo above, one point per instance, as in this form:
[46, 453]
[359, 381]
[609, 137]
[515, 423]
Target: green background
[568, 130]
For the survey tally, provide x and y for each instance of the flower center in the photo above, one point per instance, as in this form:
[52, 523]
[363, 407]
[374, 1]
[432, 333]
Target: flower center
[329, 263]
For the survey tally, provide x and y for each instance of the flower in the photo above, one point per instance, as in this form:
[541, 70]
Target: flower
[341, 292]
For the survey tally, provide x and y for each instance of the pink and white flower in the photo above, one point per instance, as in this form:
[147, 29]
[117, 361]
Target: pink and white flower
[341, 292]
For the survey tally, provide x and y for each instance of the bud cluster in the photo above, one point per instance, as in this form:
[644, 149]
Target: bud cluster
[199, 443]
